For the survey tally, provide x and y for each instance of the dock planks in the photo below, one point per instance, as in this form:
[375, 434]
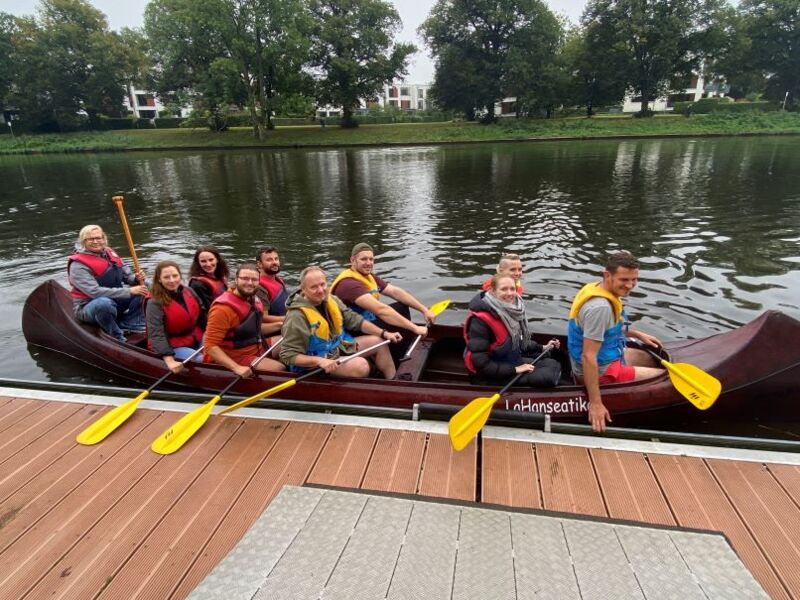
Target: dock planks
[118, 521]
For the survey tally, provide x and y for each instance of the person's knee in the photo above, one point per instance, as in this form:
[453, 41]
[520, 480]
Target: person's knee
[101, 307]
[360, 367]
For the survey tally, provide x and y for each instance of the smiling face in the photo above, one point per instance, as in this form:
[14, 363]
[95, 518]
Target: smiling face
[621, 281]
[208, 262]
[246, 282]
[505, 289]
[95, 240]
[363, 262]
[512, 267]
[314, 286]
[170, 278]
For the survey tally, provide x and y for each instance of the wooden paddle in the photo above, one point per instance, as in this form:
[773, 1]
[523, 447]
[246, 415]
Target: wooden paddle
[109, 422]
[119, 200]
[694, 384]
[436, 309]
[185, 427]
[466, 423]
[287, 384]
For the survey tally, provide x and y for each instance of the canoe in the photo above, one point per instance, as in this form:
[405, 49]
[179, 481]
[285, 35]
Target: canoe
[758, 365]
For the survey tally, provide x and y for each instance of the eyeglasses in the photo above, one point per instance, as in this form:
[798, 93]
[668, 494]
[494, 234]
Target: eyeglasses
[95, 239]
[248, 279]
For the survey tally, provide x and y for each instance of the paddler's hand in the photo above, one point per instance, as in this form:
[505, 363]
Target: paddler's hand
[242, 371]
[598, 416]
[140, 276]
[648, 339]
[554, 343]
[395, 337]
[173, 365]
[420, 330]
[430, 317]
[524, 368]
[328, 365]
[138, 290]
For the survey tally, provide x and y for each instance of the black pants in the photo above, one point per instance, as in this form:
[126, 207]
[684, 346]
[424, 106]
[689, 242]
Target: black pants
[546, 375]
[398, 350]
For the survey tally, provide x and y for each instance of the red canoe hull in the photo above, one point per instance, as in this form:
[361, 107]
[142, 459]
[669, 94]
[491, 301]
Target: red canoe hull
[758, 365]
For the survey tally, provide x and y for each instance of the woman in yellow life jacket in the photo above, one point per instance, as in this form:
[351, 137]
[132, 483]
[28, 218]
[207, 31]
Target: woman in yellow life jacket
[319, 329]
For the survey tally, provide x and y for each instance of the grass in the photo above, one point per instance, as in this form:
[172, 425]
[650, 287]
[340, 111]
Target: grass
[408, 133]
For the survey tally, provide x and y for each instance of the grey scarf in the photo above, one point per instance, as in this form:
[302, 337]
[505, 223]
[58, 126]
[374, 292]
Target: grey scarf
[513, 316]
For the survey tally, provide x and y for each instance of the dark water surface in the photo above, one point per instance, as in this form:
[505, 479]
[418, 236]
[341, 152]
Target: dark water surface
[716, 222]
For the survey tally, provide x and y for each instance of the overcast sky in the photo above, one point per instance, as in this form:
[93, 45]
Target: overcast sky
[128, 13]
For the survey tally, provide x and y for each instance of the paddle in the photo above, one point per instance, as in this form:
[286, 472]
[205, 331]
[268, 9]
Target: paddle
[287, 384]
[185, 427]
[694, 384]
[118, 200]
[466, 423]
[436, 309]
[109, 422]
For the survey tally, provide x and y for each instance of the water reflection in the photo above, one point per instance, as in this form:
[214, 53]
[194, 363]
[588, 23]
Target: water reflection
[715, 221]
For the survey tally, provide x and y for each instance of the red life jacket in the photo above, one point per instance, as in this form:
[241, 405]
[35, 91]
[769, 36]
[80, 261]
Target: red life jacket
[180, 323]
[276, 290]
[250, 314]
[215, 286]
[106, 268]
[500, 349]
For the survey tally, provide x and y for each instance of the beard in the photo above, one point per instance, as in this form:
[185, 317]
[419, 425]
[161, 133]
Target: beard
[273, 270]
[246, 294]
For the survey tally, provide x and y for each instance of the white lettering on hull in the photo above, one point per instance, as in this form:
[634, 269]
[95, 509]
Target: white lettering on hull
[578, 404]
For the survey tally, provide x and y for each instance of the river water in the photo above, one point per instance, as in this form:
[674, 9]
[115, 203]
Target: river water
[716, 222]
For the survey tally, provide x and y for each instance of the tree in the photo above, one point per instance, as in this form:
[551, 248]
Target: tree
[353, 53]
[488, 49]
[773, 28]
[67, 61]
[658, 41]
[243, 52]
[8, 27]
[594, 67]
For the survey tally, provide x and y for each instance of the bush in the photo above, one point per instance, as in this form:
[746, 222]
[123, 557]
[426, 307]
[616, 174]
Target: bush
[168, 122]
[111, 123]
[706, 106]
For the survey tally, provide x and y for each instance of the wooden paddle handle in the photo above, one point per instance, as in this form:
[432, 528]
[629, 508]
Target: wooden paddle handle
[118, 200]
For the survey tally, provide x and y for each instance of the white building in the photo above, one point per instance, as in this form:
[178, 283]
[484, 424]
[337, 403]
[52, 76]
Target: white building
[697, 89]
[405, 96]
[146, 105]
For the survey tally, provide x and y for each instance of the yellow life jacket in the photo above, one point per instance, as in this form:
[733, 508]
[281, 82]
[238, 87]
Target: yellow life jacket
[368, 281]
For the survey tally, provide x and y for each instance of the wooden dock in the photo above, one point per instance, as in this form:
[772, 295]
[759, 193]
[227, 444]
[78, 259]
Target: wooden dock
[116, 520]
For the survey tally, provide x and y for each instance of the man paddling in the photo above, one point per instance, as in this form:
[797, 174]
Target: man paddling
[360, 290]
[104, 291]
[319, 329]
[598, 326]
[271, 288]
[511, 265]
[235, 326]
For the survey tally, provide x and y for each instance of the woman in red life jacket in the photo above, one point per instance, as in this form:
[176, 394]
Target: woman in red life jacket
[208, 277]
[173, 314]
[499, 344]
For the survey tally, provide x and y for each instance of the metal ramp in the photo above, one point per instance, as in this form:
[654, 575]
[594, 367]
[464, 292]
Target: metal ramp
[332, 544]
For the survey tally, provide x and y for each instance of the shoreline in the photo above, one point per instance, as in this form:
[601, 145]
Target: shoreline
[402, 135]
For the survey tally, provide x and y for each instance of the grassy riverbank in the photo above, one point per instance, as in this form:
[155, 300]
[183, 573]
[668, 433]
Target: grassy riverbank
[407, 133]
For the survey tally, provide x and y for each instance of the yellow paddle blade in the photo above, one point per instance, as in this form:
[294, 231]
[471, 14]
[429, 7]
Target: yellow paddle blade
[259, 396]
[466, 423]
[440, 306]
[694, 384]
[179, 433]
[105, 425]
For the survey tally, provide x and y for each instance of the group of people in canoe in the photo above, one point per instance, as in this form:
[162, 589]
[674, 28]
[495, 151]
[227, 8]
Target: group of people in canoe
[252, 322]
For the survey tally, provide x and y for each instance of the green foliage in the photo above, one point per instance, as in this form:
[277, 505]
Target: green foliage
[8, 28]
[486, 50]
[242, 52]
[168, 122]
[66, 61]
[354, 52]
[706, 106]
[655, 42]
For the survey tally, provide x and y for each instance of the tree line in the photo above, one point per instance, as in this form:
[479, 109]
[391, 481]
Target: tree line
[273, 57]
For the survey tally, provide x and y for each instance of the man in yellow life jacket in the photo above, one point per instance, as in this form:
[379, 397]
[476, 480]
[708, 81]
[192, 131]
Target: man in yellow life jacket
[360, 290]
[319, 329]
[598, 326]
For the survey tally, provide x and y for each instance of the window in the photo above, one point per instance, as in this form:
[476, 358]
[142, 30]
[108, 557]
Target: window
[405, 103]
[147, 114]
[404, 91]
[508, 107]
[392, 92]
[145, 100]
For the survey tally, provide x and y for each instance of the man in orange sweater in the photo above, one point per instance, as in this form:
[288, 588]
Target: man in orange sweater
[235, 327]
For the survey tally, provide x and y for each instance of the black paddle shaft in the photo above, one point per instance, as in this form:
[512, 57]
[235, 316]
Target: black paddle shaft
[518, 375]
[169, 372]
